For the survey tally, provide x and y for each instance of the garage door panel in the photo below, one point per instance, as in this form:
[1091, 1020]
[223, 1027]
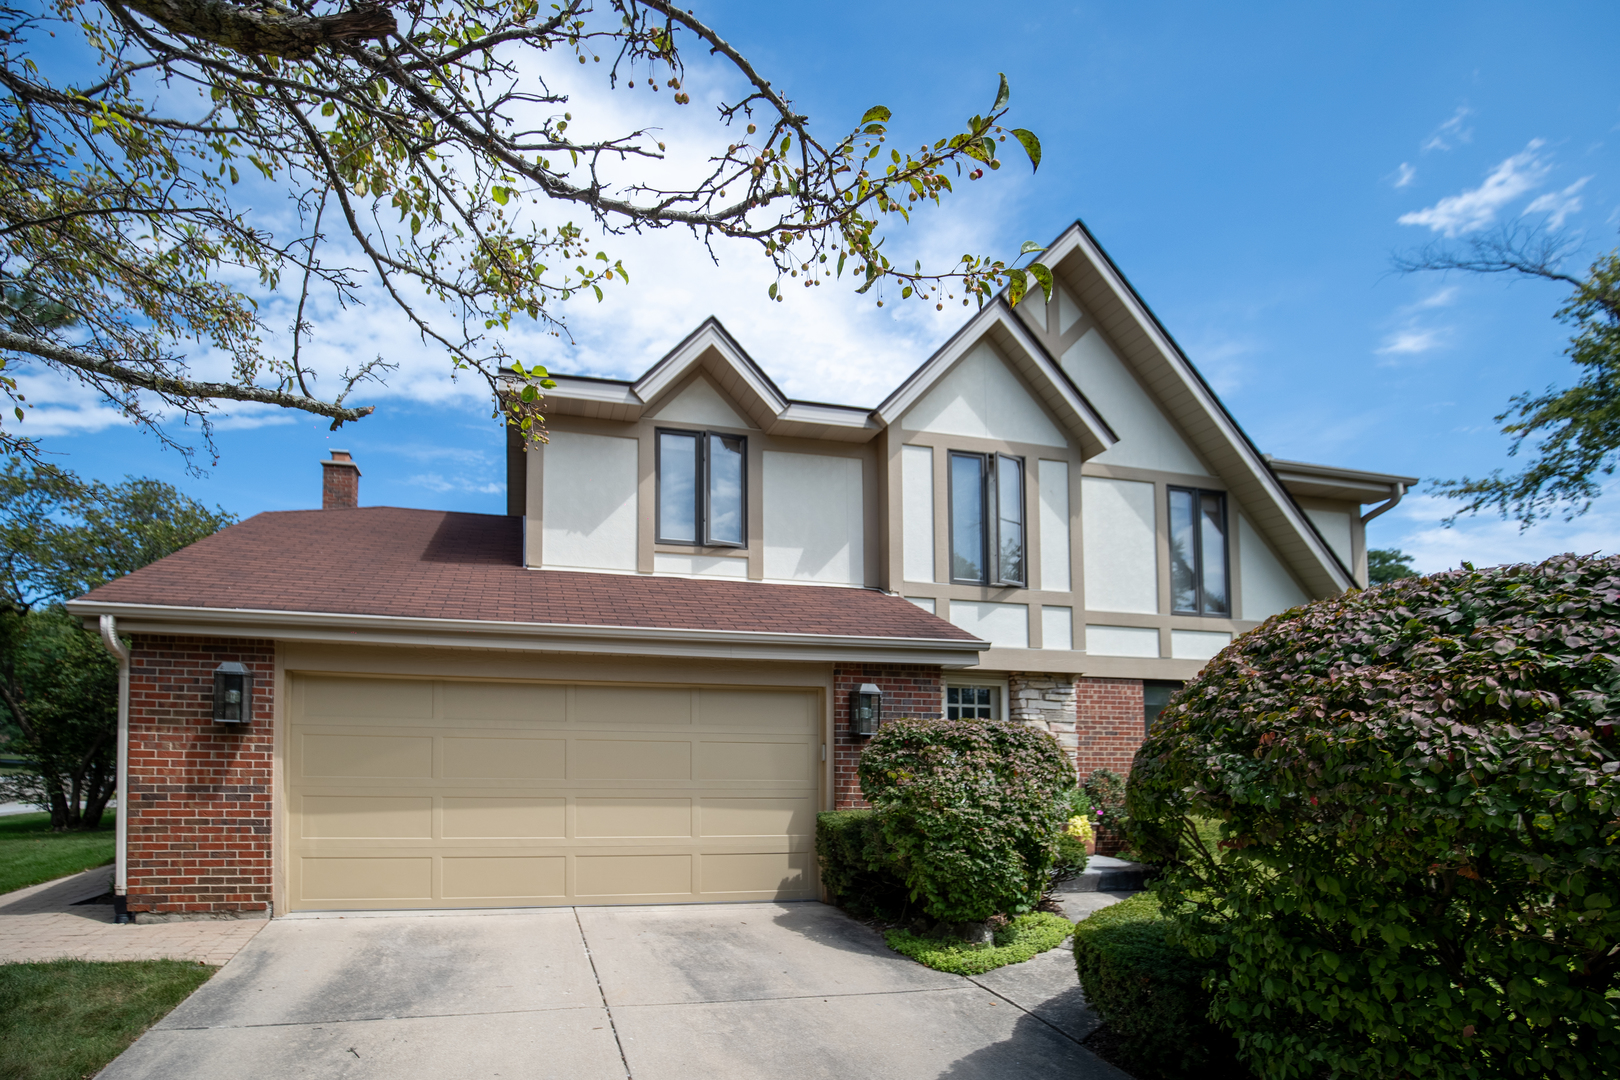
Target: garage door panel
[510, 817]
[376, 699]
[632, 817]
[353, 817]
[632, 706]
[370, 879]
[512, 878]
[774, 873]
[758, 710]
[754, 761]
[367, 756]
[630, 759]
[601, 876]
[758, 817]
[505, 759]
[528, 702]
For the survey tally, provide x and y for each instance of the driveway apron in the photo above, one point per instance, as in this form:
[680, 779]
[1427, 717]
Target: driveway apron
[691, 992]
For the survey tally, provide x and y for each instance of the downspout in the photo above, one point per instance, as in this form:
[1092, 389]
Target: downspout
[120, 651]
[1399, 490]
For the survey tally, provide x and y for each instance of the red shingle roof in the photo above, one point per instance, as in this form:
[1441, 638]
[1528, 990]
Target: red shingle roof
[439, 565]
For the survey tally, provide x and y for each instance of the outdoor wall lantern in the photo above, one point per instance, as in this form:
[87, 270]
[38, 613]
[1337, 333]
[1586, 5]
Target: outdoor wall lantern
[865, 710]
[233, 693]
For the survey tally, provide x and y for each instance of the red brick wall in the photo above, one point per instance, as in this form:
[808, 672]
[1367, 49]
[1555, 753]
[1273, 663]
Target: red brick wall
[1109, 724]
[909, 690]
[200, 793]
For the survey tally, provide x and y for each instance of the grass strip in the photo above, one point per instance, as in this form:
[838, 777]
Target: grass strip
[66, 1019]
[1024, 937]
[30, 853]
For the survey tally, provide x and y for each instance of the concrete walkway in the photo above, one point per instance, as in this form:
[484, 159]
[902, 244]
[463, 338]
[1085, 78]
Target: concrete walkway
[47, 922]
[699, 992]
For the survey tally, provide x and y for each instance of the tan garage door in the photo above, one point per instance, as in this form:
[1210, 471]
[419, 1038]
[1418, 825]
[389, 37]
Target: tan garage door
[421, 793]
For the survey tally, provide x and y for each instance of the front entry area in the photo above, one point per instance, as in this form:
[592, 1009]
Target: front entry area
[440, 793]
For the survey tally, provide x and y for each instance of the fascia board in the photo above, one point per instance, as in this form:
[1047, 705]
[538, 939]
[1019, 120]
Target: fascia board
[1306, 469]
[550, 637]
[689, 353]
[1330, 575]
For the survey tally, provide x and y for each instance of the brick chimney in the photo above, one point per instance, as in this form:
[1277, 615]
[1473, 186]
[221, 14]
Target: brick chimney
[340, 482]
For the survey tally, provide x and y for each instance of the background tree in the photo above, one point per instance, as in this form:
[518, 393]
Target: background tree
[1388, 564]
[61, 537]
[430, 162]
[1571, 435]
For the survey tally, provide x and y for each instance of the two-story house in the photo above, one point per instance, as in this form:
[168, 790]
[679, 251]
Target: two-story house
[642, 682]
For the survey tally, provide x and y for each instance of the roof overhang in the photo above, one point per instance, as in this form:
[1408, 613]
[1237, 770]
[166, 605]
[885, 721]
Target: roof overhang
[332, 627]
[1330, 482]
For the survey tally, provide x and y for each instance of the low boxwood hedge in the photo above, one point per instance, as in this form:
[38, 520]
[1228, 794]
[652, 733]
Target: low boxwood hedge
[1148, 988]
[857, 865]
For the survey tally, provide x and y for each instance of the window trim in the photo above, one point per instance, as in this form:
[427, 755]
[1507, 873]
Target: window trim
[700, 494]
[990, 519]
[1198, 549]
[1001, 695]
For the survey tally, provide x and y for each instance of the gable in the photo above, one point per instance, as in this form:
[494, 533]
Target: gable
[700, 403]
[981, 397]
[1147, 439]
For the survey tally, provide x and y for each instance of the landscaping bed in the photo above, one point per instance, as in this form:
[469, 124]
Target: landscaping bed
[30, 853]
[66, 1019]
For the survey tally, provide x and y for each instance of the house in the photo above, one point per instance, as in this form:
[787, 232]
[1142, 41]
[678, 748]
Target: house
[636, 685]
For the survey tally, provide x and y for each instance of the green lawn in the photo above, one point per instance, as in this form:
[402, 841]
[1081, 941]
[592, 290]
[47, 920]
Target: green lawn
[66, 1019]
[30, 853]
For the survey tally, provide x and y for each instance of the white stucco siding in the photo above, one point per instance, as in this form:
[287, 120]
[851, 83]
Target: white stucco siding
[1004, 626]
[815, 526]
[589, 502]
[917, 512]
[1122, 641]
[1057, 627]
[701, 405]
[699, 565]
[1121, 545]
[1197, 644]
[1267, 586]
[1334, 525]
[1147, 439]
[1054, 484]
[982, 398]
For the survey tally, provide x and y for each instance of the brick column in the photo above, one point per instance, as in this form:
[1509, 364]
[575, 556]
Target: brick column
[909, 690]
[200, 798]
[1047, 702]
[1109, 724]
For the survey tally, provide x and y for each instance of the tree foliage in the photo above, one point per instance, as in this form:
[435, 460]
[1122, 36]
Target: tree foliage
[970, 811]
[1388, 564]
[60, 537]
[432, 163]
[1571, 435]
[1419, 796]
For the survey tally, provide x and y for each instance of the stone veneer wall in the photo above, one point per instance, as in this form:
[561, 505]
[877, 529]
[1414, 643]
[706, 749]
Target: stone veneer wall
[1048, 702]
[200, 799]
[909, 690]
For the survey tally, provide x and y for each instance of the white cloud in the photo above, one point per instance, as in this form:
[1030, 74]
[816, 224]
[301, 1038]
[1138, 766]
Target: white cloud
[1412, 341]
[1474, 209]
[1404, 175]
[1558, 205]
[1449, 134]
[438, 483]
[1490, 541]
[1437, 299]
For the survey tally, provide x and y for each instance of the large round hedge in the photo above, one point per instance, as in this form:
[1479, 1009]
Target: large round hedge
[1420, 866]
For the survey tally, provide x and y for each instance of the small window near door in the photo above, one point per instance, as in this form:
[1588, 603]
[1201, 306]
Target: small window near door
[1155, 696]
[987, 519]
[701, 486]
[1198, 570]
[971, 702]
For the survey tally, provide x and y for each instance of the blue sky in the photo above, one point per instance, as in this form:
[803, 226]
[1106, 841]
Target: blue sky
[1248, 169]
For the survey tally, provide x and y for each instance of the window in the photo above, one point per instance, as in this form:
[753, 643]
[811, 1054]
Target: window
[700, 488]
[1155, 696]
[987, 519]
[1198, 553]
[971, 702]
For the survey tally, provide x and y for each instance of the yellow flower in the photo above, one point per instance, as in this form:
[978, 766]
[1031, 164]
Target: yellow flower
[1080, 829]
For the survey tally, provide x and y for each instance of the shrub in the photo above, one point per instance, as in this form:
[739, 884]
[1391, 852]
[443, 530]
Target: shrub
[1149, 989]
[971, 809]
[1417, 787]
[1022, 938]
[857, 866]
[1105, 793]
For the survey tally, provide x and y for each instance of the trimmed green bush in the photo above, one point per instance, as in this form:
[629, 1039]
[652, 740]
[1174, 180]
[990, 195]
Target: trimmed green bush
[971, 810]
[1022, 938]
[1418, 870]
[1148, 988]
[857, 866]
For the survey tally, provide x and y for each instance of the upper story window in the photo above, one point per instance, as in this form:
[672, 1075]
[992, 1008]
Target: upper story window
[700, 488]
[987, 519]
[1198, 571]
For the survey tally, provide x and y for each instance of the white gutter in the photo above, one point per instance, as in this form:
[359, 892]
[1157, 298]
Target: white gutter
[120, 651]
[1399, 491]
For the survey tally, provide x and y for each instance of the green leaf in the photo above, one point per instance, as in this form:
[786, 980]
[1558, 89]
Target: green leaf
[879, 113]
[1017, 285]
[841, 256]
[1041, 274]
[501, 194]
[1029, 246]
[905, 293]
[1031, 145]
[1002, 95]
[772, 291]
[598, 289]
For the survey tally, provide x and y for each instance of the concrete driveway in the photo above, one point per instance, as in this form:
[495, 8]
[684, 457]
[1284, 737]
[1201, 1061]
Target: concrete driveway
[703, 992]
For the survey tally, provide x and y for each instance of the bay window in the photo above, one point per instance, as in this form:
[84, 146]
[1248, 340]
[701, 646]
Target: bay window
[701, 485]
[1198, 560]
[987, 519]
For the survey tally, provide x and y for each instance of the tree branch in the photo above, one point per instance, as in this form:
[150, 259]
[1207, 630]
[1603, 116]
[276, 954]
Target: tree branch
[265, 32]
